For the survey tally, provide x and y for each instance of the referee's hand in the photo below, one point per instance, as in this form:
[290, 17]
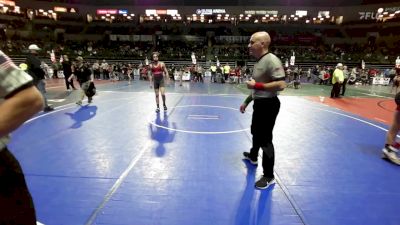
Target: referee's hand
[243, 108]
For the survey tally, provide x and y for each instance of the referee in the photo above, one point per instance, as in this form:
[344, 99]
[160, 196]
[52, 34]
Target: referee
[268, 79]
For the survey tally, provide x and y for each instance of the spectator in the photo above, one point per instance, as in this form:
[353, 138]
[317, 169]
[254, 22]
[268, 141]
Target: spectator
[35, 70]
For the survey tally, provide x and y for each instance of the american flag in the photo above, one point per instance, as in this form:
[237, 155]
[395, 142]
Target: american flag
[5, 62]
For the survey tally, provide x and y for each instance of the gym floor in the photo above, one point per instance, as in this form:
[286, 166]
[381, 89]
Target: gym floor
[116, 161]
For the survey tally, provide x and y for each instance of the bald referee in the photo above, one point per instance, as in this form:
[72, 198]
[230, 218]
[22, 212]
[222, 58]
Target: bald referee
[268, 79]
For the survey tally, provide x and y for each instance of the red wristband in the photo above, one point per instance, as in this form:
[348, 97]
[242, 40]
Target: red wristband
[259, 86]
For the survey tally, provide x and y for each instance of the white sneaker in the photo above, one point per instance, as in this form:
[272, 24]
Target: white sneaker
[391, 155]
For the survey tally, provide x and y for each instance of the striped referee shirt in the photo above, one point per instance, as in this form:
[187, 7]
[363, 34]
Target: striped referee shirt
[267, 69]
[12, 79]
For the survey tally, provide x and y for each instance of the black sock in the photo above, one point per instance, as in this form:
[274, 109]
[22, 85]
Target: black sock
[158, 106]
[163, 99]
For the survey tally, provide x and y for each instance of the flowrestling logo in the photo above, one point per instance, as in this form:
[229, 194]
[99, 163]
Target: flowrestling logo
[372, 15]
[368, 15]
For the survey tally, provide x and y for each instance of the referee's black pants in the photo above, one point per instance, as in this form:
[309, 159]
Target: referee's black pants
[264, 116]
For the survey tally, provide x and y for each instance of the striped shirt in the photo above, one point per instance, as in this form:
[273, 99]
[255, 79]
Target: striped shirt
[267, 69]
[11, 79]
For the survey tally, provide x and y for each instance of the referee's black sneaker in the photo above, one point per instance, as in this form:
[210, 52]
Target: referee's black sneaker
[248, 158]
[264, 182]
